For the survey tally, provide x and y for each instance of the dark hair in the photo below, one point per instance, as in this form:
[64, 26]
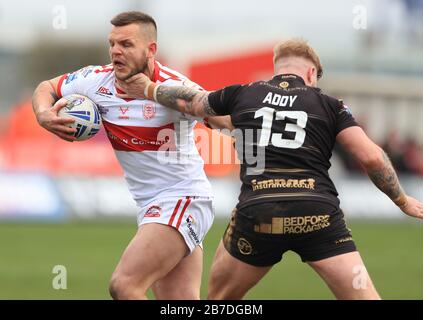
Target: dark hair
[125, 18]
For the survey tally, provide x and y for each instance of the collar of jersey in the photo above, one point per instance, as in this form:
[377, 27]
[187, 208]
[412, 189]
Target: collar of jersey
[293, 79]
[155, 76]
[290, 77]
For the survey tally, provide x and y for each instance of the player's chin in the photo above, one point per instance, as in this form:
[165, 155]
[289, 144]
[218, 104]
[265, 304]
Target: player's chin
[122, 75]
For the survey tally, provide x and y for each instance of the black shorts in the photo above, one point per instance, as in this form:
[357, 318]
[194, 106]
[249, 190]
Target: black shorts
[260, 234]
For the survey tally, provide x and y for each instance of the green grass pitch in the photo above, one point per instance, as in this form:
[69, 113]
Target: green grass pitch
[393, 253]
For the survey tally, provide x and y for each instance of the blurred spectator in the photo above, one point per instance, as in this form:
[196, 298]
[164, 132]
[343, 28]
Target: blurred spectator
[414, 21]
[413, 157]
[392, 23]
[395, 149]
[405, 154]
[349, 163]
[383, 23]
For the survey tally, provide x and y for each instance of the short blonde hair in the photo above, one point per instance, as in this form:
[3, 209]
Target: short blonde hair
[297, 48]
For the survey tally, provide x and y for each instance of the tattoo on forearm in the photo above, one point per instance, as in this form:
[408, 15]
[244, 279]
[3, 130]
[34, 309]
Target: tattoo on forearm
[386, 179]
[184, 99]
[204, 101]
[169, 96]
[54, 96]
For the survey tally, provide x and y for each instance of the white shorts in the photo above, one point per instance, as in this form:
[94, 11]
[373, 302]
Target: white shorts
[191, 216]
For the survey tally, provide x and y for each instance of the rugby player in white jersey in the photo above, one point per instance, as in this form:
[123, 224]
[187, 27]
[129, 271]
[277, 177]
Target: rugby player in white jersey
[174, 199]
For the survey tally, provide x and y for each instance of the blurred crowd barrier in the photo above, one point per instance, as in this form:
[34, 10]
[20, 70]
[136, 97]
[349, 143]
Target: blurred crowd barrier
[30, 197]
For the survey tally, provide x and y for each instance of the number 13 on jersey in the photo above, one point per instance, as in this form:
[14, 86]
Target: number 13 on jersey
[277, 140]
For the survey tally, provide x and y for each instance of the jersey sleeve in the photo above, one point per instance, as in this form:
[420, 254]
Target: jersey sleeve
[222, 101]
[181, 82]
[79, 82]
[344, 118]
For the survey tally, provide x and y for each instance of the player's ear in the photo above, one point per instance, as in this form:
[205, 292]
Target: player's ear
[152, 49]
[312, 76]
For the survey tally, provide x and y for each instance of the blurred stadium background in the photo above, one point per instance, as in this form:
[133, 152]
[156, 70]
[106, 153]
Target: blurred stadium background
[67, 204]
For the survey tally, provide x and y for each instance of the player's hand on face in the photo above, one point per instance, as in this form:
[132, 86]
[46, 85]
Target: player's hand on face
[414, 208]
[50, 120]
[133, 87]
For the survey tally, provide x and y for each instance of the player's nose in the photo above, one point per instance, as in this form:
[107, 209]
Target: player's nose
[115, 50]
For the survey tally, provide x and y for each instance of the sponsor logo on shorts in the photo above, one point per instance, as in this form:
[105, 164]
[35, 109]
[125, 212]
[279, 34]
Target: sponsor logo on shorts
[153, 212]
[190, 219]
[192, 234]
[244, 246]
[283, 183]
[227, 238]
[294, 225]
[339, 241]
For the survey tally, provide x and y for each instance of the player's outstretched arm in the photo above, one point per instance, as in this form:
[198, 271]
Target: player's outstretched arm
[379, 169]
[186, 100]
[46, 105]
[180, 98]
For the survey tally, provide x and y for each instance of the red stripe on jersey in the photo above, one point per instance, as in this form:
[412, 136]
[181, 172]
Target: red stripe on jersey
[171, 75]
[178, 204]
[161, 79]
[59, 85]
[134, 138]
[155, 75]
[182, 212]
[104, 68]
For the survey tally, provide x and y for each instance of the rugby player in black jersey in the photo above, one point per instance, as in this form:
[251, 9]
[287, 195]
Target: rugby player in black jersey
[287, 202]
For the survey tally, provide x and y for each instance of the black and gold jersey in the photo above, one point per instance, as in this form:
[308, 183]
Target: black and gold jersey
[285, 133]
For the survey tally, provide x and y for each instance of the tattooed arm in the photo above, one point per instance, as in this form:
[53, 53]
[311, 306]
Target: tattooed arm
[385, 178]
[184, 99]
[193, 102]
[43, 99]
[379, 169]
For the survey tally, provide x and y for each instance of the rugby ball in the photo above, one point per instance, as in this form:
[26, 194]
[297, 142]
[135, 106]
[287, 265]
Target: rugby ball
[85, 113]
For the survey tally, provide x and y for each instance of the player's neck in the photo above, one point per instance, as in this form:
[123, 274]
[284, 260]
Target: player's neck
[150, 68]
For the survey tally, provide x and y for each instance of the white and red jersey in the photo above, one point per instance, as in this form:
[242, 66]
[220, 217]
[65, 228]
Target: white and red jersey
[154, 144]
